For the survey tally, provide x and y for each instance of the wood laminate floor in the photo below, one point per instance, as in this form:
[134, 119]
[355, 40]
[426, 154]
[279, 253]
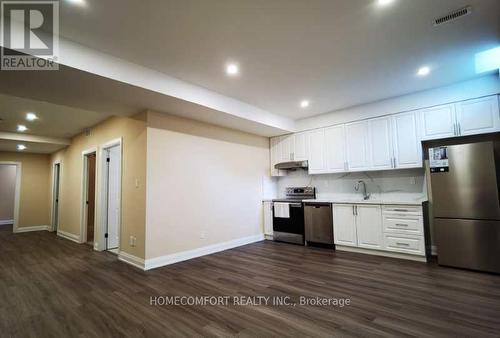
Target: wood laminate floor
[53, 287]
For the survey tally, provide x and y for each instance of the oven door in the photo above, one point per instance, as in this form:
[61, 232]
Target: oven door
[290, 229]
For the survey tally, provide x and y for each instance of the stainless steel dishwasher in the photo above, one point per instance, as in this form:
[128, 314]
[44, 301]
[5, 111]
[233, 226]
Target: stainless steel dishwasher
[318, 223]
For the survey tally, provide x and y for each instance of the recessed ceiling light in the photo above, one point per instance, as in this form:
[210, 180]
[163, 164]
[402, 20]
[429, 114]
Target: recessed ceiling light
[423, 71]
[77, 2]
[21, 128]
[31, 116]
[21, 147]
[384, 2]
[232, 69]
[304, 103]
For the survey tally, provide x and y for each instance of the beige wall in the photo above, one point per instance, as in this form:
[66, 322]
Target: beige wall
[133, 132]
[201, 179]
[7, 191]
[34, 197]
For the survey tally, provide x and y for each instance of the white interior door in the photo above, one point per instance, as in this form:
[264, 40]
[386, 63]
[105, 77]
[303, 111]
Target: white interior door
[113, 197]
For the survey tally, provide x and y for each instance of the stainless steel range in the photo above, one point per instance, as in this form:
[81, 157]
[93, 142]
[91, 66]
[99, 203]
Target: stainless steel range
[288, 214]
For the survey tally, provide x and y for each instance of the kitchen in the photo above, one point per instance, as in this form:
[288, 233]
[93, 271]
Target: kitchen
[366, 186]
[266, 168]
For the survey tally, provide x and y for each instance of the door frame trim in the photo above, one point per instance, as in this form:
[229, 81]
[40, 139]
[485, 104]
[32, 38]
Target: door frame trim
[17, 194]
[53, 205]
[102, 184]
[84, 186]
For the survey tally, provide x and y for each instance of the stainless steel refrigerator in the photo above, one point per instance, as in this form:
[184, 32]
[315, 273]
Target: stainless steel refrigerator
[465, 186]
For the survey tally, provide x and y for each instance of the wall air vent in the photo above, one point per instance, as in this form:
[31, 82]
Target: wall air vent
[88, 132]
[453, 16]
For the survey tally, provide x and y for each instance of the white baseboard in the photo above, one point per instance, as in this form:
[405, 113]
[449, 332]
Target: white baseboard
[7, 222]
[381, 253]
[32, 228]
[131, 259]
[68, 236]
[268, 237]
[206, 250]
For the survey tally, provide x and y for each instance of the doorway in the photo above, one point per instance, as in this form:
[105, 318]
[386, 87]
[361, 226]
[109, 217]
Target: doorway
[7, 196]
[11, 175]
[88, 218]
[111, 188]
[55, 196]
[90, 200]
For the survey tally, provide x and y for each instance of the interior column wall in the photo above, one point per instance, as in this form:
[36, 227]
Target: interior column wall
[204, 185]
[133, 134]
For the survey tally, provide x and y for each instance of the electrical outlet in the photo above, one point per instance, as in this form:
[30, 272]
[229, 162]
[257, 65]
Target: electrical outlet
[203, 235]
[132, 241]
[136, 183]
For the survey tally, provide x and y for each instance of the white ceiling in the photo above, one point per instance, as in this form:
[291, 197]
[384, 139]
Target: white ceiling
[337, 53]
[53, 120]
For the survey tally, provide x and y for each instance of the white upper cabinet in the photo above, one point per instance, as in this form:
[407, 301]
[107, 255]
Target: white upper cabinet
[286, 148]
[478, 116]
[407, 146]
[317, 151]
[335, 149]
[358, 157]
[369, 226]
[344, 225]
[275, 154]
[380, 143]
[301, 147]
[438, 122]
[383, 143]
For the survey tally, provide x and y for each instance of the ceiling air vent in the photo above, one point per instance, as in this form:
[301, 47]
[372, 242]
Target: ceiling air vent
[453, 16]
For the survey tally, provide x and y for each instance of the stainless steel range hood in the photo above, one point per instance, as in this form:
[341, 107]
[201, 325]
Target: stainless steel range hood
[293, 165]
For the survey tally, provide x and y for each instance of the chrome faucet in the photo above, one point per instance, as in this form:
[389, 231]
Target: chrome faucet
[365, 194]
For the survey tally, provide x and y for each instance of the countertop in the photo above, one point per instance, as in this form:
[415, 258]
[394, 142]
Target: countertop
[350, 199]
[369, 201]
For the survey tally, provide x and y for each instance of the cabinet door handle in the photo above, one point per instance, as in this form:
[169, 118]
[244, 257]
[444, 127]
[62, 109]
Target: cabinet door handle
[353, 211]
[401, 225]
[402, 244]
[356, 208]
[459, 129]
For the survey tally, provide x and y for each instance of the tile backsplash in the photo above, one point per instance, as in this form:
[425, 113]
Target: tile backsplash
[410, 182]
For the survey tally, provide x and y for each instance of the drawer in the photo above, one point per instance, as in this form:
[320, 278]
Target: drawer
[408, 224]
[413, 245]
[402, 209]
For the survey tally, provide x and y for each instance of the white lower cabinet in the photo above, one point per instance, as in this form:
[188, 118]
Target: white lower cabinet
[344, 225]
[407, 244]
[403, 229]
[369, 226]
[396, 229]
[268, 218]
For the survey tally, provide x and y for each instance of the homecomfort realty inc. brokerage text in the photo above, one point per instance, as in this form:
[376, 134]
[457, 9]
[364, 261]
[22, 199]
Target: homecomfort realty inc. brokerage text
[247, 301]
